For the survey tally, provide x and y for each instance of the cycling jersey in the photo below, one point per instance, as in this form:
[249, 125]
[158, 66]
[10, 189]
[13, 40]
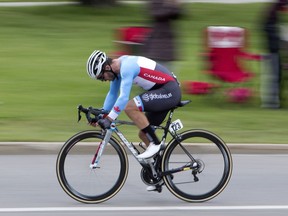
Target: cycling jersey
[137, 70]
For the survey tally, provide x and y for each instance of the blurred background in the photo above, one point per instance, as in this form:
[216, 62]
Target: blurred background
[43, 57]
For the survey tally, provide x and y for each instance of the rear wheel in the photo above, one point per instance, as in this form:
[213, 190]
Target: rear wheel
[205, 163]
[91, 185]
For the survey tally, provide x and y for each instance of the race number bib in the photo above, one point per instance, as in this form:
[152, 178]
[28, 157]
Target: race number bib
[175, 126]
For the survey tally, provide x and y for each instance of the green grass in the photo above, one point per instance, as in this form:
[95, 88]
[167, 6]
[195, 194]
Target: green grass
[42, 65]
[35, 0]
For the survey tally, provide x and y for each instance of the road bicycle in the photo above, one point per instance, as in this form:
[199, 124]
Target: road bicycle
[92, 166]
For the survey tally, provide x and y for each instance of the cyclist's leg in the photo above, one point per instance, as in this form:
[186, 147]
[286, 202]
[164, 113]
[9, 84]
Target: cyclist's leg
[139, 118]
[155, 119]
[146, 134]
[144, 138]
[156, 100]
[136, 115]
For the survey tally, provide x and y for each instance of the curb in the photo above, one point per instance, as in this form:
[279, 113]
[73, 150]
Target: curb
[26, 148]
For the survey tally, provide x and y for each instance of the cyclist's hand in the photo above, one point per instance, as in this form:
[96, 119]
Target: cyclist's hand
[104, 123]
[93, 122]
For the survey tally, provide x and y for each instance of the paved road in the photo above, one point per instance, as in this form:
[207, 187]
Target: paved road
[258, 187]
[54, 147]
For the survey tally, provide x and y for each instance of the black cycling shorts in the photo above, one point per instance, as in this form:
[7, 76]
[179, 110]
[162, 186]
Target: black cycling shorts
[156, 103]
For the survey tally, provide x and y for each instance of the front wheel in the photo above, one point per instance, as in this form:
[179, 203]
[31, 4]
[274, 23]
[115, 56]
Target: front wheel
[196, 167]
[86, 184]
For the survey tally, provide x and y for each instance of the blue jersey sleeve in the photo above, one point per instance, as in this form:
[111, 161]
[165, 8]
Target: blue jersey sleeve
[128, 71]
[112, 95]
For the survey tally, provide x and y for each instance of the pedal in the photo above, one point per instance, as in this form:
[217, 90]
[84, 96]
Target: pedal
[159, 188]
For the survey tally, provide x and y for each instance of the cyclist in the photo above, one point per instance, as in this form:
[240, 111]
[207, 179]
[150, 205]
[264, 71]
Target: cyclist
[162, 92]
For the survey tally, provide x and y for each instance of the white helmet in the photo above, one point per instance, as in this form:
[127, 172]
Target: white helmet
[95, 63]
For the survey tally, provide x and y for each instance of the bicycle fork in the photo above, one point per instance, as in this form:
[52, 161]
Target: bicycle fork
[99, 151]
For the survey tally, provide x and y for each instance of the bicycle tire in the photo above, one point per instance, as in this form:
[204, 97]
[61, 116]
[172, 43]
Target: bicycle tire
[83, 183]
[211, 153]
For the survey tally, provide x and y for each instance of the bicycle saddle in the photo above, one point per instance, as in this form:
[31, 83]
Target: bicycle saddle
[183, 103]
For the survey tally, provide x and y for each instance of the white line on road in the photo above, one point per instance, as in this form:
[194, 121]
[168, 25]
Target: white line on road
[144, 208]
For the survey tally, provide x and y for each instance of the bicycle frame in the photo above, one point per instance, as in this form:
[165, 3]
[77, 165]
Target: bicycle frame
[181, 162]
[130, 146]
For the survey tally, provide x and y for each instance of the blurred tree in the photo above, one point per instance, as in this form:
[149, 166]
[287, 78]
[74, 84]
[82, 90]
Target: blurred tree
[98, 2]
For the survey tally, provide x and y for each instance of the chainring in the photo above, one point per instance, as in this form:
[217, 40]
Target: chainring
[148, 178]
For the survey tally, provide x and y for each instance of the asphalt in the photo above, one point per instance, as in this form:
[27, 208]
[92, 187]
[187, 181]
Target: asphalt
[18, 148]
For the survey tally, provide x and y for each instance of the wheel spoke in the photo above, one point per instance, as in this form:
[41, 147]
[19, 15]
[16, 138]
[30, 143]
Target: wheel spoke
[86, 183]
[208, 159]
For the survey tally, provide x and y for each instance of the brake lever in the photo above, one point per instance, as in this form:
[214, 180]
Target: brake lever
[87, 112]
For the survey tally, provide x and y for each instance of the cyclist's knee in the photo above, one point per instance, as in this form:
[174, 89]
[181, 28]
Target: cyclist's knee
[131, 106]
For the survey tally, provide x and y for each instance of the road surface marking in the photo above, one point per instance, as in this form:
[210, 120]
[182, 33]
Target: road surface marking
[144, 208]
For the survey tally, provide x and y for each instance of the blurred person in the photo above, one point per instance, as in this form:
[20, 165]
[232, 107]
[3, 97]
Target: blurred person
[272, 96]
[162, 92]
[160, 45]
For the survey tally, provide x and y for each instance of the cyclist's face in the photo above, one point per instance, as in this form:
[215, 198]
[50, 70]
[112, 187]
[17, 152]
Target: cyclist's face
[106, 75]
[101, 76]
